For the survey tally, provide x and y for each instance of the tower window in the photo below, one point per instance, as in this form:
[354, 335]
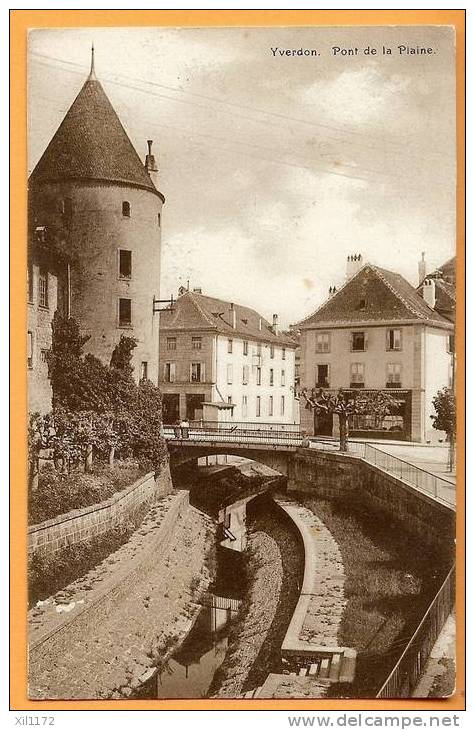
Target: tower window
[125, 264]
[65, 207]
[125, 312]
[159, 219]
[43, 288]
[30, 283]
[29, 353]
[144, 370]
[126, 209]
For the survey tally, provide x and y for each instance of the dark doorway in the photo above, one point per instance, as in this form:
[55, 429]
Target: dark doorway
[194, 406]
[171, 407]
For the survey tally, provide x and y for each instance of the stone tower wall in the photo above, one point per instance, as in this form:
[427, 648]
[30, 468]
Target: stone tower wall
[97, 231]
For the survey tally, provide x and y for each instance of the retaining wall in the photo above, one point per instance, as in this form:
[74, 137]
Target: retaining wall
[71, 628]
[347, 477]
[82, 524]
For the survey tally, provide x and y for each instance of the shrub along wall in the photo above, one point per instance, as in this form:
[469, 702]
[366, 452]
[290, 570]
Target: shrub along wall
[83, 524]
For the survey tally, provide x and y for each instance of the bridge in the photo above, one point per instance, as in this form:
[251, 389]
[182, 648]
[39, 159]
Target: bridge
[271, 444]
[276, 445]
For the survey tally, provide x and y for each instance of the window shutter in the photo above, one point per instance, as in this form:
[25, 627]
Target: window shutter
[351, 341]
[329, 376]
[203, 374]
[365, 341]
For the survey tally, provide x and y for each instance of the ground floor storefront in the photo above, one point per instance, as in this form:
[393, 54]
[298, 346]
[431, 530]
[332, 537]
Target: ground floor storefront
[397, 425]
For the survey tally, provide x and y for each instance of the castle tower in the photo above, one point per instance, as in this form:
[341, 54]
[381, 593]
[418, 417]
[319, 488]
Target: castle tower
[91, 184]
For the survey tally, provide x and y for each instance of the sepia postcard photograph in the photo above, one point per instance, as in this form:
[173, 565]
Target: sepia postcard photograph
[242, 269]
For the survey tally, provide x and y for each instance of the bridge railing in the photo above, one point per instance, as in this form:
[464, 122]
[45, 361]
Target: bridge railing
[433, 484]
[408, 669]
[424, 480]
[234, 433]
[247, 426]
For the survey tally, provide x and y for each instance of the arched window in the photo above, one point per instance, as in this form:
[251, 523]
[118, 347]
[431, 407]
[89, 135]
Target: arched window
[126, 209]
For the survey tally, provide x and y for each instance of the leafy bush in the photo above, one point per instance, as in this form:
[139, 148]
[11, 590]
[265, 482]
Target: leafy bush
[97, 409]
[60, 493]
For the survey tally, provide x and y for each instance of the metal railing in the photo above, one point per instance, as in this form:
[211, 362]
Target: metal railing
[246, 426]
[424, 480]
[407, 672]
[223, 602]
[233, 433]
[289, 435]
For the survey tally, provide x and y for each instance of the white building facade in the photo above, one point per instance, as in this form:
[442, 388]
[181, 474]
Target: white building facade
[219, 353]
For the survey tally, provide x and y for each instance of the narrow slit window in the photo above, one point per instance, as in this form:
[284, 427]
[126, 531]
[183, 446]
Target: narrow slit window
[29, 345]
[43, 288]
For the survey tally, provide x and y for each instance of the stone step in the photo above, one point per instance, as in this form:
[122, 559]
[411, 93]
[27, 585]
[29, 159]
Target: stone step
[335, 667]
[324, 667]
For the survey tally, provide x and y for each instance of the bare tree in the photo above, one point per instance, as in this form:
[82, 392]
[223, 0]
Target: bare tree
[345, 403]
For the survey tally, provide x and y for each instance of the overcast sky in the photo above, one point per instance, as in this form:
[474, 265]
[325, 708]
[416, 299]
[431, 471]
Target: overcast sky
[274, 168]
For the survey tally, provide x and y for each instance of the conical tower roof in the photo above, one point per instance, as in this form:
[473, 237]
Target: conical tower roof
[92, 144]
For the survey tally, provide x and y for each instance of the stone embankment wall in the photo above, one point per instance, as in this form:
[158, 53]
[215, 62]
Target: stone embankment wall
[342, 476]
[82, 524]
[274, 572]
[105, 634]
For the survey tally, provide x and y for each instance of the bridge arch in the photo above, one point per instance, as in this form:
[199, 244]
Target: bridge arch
[276, 459]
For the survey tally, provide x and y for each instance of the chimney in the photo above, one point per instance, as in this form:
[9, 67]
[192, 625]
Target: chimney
[197, 290]
[150, 164]
[260, 324]
[353, 264]
[422, 268]
[428, 292]
[275, 319]
[233, 316]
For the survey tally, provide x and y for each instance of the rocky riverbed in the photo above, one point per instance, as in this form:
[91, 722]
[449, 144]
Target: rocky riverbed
[274, 573]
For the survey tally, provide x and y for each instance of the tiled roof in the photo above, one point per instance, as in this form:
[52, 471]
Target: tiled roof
[193, 311]
[92, 144]
[445, 290]
[371, 295]
[447, 270]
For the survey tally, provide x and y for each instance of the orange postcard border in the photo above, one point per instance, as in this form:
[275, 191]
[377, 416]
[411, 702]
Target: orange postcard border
[20, 22]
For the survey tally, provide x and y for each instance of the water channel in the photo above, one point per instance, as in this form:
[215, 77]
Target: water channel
[190, 671]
